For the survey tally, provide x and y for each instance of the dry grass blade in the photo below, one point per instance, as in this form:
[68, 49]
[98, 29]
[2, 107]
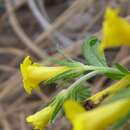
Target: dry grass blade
[7, 68]
[21, 34]
[14, 51]
[78, 5]
[56, 36]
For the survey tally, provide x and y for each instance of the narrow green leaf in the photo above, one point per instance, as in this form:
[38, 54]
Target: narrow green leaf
[65, 75]
[57, 108]
[114, 76]
[91, 53]
[69, 63]
[79, 94]
[121, 68]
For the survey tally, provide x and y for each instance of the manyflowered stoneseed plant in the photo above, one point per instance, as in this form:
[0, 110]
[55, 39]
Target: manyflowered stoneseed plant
[107, 109]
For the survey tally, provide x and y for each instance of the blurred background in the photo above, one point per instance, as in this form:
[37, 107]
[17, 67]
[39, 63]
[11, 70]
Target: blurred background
[44, 29]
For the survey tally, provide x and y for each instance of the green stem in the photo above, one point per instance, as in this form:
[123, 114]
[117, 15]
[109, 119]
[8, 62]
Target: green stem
[82, 79]
[97, 70]
[103, 69]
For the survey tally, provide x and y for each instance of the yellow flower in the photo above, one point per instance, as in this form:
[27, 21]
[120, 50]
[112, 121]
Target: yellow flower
[123, 83]
[97, 119]
[116, 30]
[33, 73]
[41, 118]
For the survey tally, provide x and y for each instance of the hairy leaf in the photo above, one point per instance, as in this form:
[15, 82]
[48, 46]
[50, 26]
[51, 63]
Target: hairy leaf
[91, 52]
[80, 93]
[65, 75]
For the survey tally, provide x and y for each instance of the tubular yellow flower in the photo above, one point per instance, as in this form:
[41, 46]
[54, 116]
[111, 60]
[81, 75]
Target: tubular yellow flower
[41, 118]
[116, 30]
[33, 73]
[123, 83]
[97, 119]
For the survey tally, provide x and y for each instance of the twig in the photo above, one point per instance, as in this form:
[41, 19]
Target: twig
[41, 4]
[6, 125]
[76, 6]
[9, 85]
[45, 24]
[3, 121]
[21, 34]
[14, 51]
[22, 121]
[125, 61]
[7, 68]
[94, 20]
[15, 7]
